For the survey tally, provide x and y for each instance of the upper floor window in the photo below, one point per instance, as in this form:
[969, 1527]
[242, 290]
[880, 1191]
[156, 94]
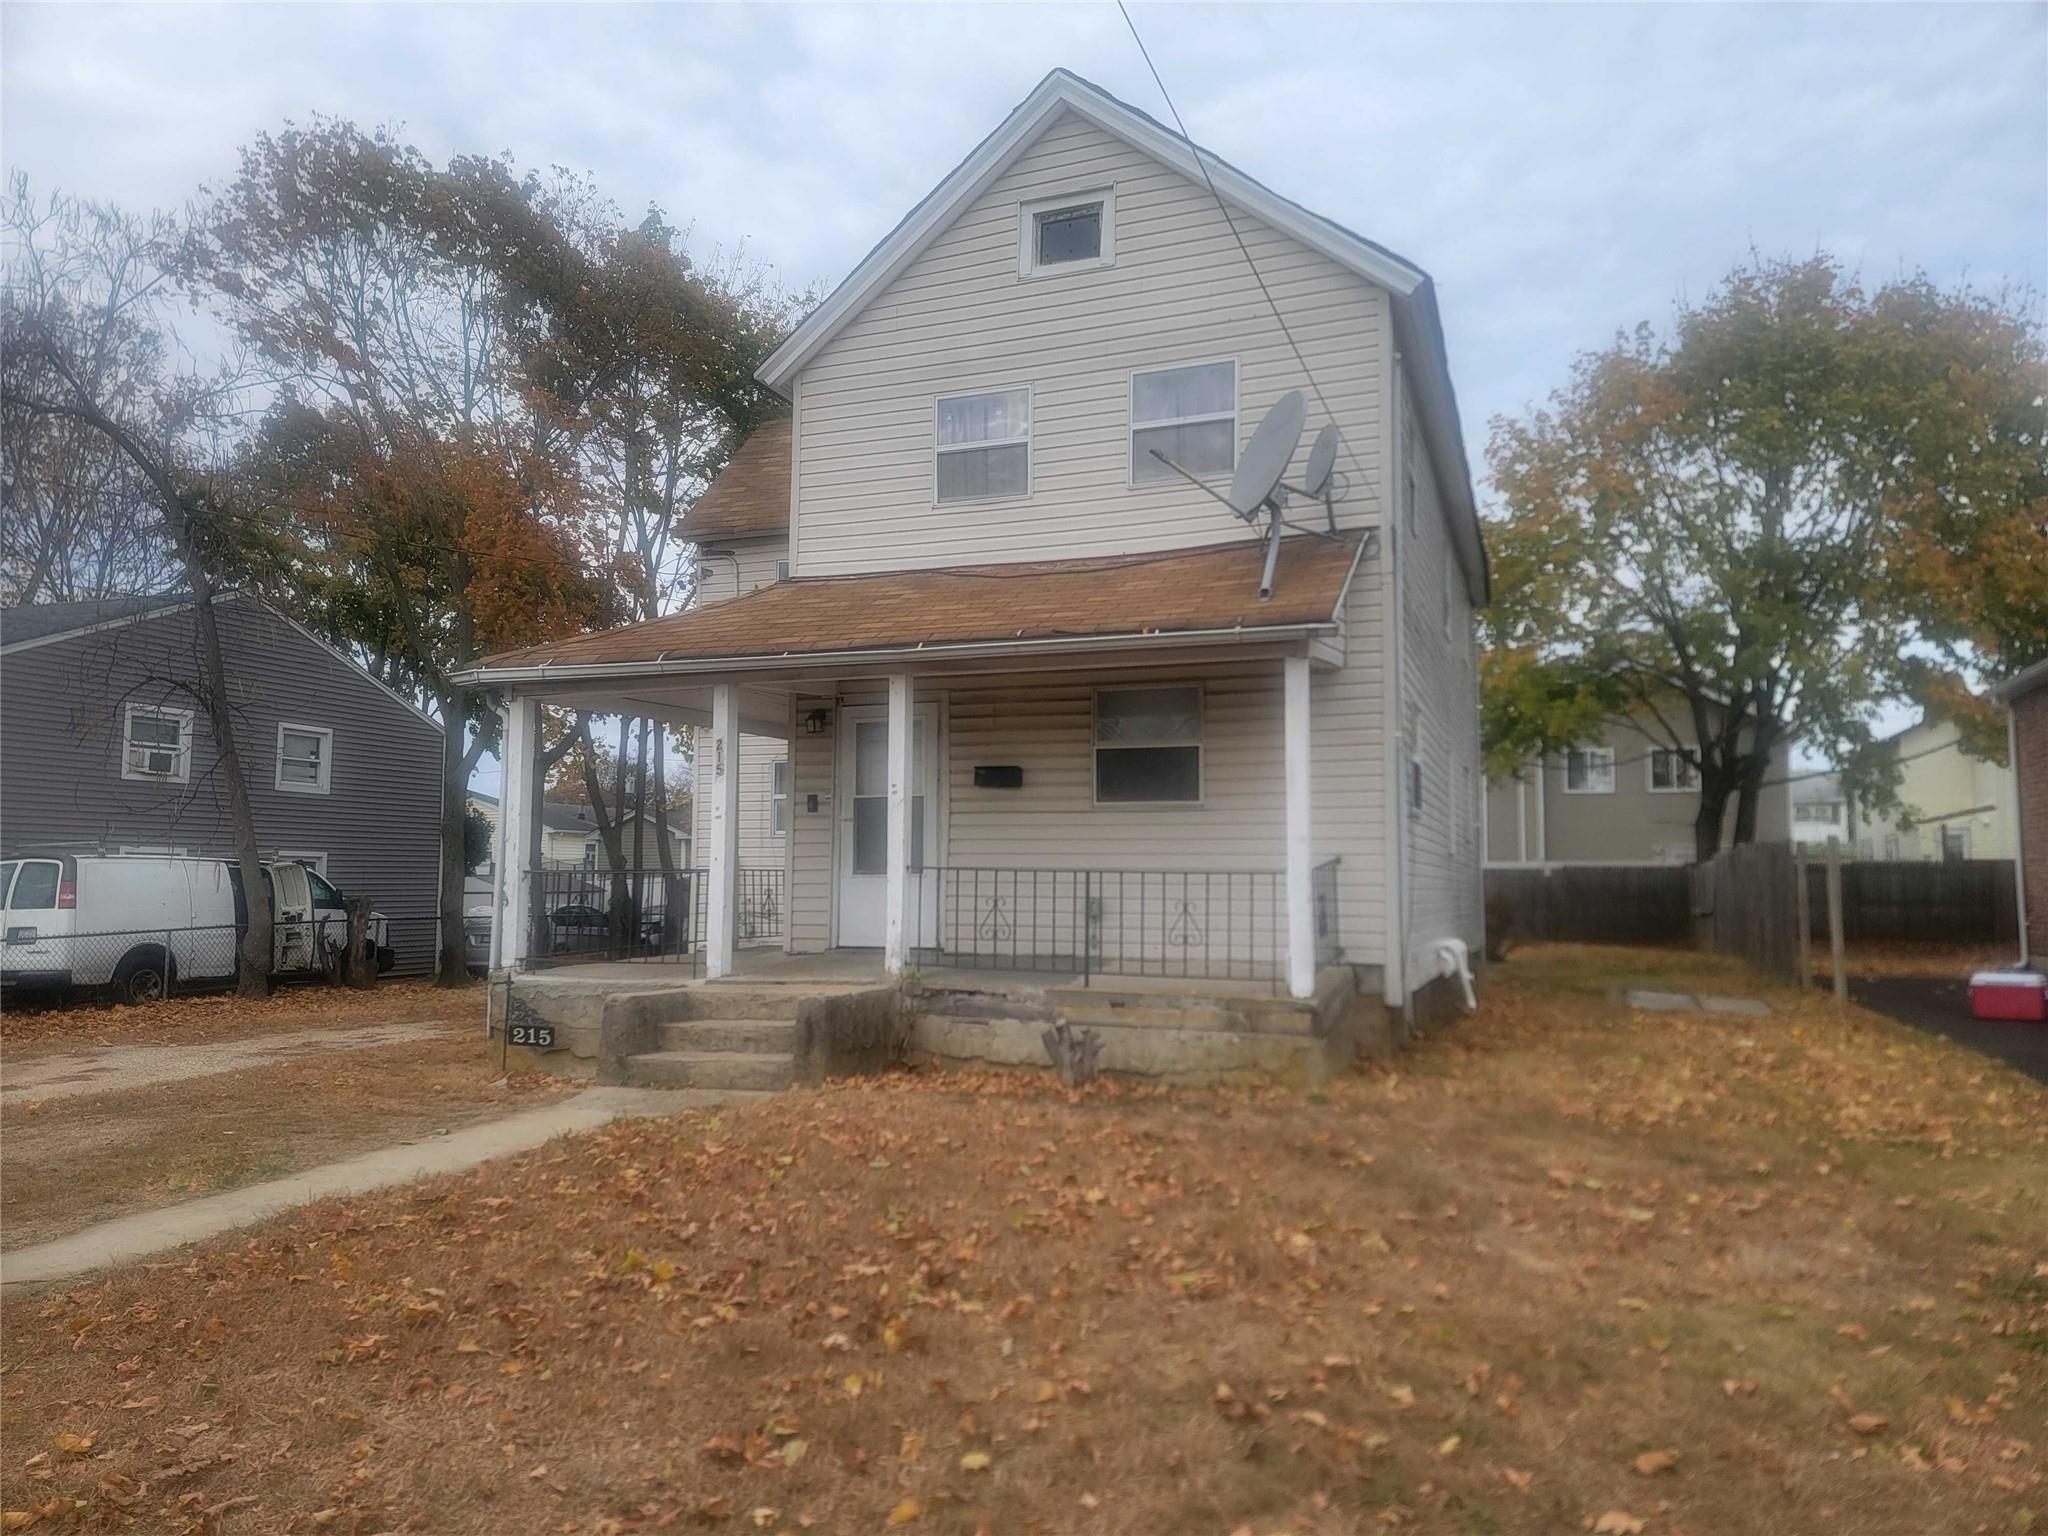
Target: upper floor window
[778, 798]
[1190, 415]
[305, 759]
[1148, 745]
[156, 743]
[984, 445]
[1589, 771]
[1062, 234]
[1672, 772]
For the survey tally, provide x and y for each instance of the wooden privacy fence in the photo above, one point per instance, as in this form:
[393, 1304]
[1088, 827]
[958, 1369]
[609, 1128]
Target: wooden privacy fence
[1745, 902]
[1592, 903]
[1967, 901]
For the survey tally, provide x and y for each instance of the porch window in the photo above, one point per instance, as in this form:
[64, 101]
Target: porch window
[778, 798]
[304, 759]
[1672, 773]
[1188, 414]
[1589, 771]
[984, 445]
[1148, 745]
[156, 744]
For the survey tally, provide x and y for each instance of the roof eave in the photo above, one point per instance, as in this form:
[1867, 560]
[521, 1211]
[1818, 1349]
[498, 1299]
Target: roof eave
[2024, 681]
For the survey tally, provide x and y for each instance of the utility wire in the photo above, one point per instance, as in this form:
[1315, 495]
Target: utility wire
[1202, 164]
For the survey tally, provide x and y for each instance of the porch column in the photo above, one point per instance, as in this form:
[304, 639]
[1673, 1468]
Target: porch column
[1301, 903]
[895, 930]
[519, 794]
[724, 859]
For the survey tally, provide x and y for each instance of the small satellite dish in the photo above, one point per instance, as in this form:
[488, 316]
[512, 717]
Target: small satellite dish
[1267, 455]
[1322, 458]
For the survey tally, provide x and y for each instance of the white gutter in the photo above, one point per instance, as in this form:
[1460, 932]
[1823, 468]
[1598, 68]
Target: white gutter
[660, 666]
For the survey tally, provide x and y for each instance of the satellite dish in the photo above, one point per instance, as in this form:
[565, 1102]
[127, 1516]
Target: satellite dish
[1267, 455]
[1322, 458]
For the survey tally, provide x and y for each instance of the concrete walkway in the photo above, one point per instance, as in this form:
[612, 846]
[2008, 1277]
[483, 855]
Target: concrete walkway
[135, 1237]
[110, 1068]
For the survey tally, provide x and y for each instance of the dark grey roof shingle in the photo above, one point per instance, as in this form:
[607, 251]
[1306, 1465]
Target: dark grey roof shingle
[40, 620]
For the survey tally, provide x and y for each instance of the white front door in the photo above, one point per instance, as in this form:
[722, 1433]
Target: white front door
[863, 781]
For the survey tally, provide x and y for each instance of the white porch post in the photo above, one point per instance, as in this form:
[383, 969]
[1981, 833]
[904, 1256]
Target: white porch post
[1301, 901]
[519, 793]
[895, 932]
[725, 831]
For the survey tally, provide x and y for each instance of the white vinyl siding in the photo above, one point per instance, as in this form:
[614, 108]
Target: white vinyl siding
[960, 320]
[760, 844]
[738, 566]
[1148, 745]
[1069, 233]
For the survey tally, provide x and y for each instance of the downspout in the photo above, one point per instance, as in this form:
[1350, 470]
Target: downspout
[2019, 861]
[1395, 981]
[1542, 828]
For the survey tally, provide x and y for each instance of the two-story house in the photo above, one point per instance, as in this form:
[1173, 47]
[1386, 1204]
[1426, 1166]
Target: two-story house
[1951, 805]
[1032, 699]
[1629, 794]
[104, 748]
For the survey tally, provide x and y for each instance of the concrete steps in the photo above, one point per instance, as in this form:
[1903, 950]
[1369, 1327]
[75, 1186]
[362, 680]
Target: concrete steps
[730, 1071]
[747, 1037]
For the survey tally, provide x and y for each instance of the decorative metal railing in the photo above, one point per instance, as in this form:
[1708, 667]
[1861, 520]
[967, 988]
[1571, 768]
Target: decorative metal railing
[643, 914]
[1213, 924]
[1329, 944]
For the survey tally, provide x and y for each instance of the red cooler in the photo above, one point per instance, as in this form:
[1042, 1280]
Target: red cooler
[2021, 995]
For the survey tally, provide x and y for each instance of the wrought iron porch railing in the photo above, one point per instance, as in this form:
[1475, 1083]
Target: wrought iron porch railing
[660, 915]
[1329, 943]
[1213, 925]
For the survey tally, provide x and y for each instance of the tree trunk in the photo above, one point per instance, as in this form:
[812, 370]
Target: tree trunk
[252, 965]
[671, 887]
[1706, 826]
[451, 965]
[1756, 766]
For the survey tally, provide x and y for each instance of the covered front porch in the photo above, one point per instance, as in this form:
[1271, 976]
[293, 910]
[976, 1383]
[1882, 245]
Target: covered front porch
[1134, 805]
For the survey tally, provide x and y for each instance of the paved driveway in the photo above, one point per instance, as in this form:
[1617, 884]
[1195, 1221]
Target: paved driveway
[1943, 1007]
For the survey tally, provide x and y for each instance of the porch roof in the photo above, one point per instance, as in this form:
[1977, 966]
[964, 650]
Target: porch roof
[1206, 593]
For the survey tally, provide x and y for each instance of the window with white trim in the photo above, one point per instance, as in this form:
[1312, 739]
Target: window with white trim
[778, 798]
[1148, 745]
[156, 744]
[1589, 771]
[983, 445]
[1190, 415]
[316, 862]
[1069, 233]
[1672, 773]
[305, 759]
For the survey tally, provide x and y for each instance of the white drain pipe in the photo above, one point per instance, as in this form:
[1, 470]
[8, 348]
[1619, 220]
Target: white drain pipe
[1453, 958]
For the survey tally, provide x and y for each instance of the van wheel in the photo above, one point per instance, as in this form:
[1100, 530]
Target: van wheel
[143, 975]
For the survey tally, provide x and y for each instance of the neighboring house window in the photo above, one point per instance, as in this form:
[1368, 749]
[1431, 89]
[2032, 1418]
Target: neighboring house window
[156, 744]
[778, 803]
[305, 759]
[316, 862]
[1672, 772]
[782, 570]
[1955, 844]
[984, 445]
[1066, 234]
[1148, 745]
[1190, 415]
[1891, 845]
[1414, 784]
[590, 853]
[1826, 812]
[1589, 771]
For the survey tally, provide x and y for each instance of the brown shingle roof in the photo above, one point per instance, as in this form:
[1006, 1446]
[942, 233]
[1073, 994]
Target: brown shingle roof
[1213, 588]
[750, 497]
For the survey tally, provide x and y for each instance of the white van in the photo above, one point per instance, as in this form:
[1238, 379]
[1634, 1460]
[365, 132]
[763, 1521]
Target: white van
[142, 924]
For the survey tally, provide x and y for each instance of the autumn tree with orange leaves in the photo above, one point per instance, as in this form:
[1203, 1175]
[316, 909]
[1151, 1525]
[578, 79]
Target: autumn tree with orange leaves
[1808, 500]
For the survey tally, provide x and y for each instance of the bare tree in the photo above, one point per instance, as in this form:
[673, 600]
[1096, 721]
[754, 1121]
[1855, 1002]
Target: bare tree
[85, 354]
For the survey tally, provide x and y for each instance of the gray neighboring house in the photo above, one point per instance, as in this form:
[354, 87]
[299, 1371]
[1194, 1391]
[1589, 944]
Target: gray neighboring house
[1626, 798]
[103, 749]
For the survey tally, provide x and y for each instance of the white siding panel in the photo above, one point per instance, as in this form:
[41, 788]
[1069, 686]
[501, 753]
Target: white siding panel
[740, 567]
[960, 318]
[760, 845]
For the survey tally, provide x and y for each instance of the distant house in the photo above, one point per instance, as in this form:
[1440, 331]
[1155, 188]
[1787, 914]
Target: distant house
[570, 838]
[105, 748]
[1822, 814]
[1951, 805]
[2025, 697]
[1627, 797]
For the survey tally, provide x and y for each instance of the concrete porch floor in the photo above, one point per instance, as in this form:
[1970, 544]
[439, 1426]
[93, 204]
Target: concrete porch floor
[863, 968]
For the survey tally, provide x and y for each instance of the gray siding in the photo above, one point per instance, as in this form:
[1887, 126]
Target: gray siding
[62, 705]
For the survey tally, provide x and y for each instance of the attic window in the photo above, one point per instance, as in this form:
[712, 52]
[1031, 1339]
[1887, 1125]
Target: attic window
[1066, 234]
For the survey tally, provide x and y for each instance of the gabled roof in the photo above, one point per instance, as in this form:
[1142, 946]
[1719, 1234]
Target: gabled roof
[750, 497]
[46, 621]
[1183, 595]
[1417, 323]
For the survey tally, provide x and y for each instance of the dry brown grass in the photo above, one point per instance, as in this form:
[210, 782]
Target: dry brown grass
[75, 1161]
[32, 1027]
[1565, 1268]
[1955, 961]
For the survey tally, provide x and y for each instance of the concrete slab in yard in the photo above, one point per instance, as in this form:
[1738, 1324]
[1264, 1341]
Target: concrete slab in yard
[1686, 1002]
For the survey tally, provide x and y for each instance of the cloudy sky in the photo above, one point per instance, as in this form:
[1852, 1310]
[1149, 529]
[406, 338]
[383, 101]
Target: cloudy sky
[1563, 170]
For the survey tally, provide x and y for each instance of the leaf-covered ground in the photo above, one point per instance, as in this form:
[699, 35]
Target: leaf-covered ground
[39, 1024]
[1563, 1268]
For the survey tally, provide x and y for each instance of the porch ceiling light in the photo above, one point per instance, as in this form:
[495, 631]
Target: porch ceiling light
[815, 722]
